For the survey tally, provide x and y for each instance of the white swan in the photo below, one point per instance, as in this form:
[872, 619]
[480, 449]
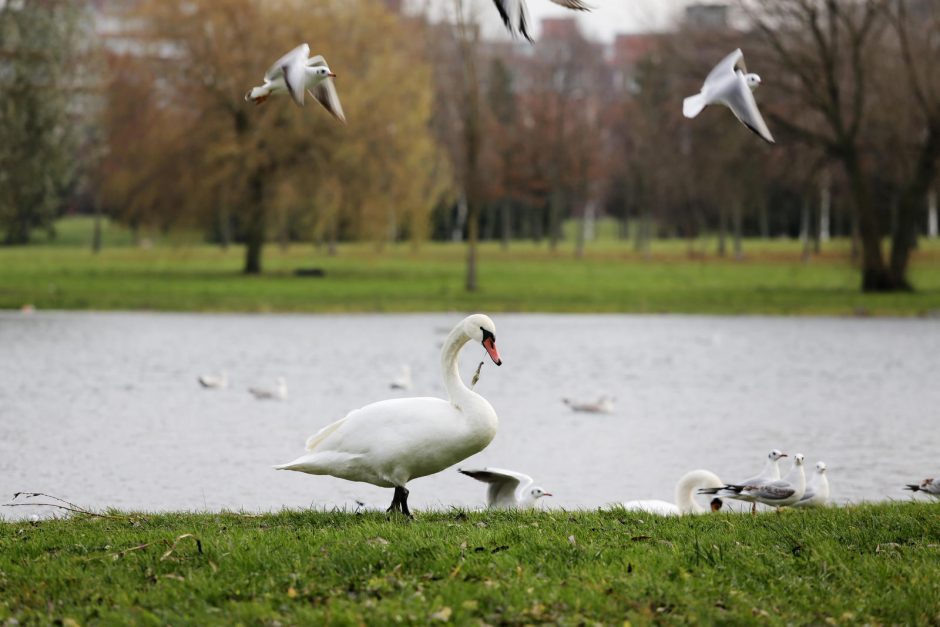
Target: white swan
[508, 489]
[214, 381]
[392, 442]
[279, 393]
[685, 503]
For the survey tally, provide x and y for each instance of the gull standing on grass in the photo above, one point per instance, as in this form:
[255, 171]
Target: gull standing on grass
[731, 86]
[391, 442]
[779, 493]
[296, 73]
[279, 393]
[927, 486]
[508, 489]
[515, 14]
[771, 472]
[817, 490]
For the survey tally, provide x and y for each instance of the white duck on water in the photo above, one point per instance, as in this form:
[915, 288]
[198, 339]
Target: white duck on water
[391, 442]
[296, 73]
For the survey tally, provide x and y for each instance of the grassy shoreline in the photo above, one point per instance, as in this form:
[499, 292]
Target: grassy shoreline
[526, 278]
[860, 564]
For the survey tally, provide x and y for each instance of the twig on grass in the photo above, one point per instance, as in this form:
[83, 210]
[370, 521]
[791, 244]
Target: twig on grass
[71, 507]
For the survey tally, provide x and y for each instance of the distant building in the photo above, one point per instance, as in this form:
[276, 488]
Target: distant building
[712, 16]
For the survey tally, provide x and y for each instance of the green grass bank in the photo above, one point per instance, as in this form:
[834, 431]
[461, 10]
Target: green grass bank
[181, 275]
[876, 564]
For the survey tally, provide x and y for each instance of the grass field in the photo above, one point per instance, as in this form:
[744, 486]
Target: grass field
[179, 275]
[874, 564]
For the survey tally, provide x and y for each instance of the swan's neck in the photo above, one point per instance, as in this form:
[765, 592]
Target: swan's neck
[456, 390]
[689, 484]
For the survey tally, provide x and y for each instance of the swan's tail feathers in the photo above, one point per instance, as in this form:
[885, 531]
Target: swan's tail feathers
[323, 463]
[693, 105]
[317, 438]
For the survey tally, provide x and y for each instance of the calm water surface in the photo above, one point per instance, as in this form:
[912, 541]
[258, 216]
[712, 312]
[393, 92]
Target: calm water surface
[104, 409]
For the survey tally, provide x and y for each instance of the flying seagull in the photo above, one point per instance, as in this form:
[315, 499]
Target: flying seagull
[515, 14]
[296, 73]
[730, 84]
[508, 489]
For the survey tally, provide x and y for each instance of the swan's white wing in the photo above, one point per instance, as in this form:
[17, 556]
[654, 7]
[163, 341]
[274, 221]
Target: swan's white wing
[325, 94]
[504, 484]
[726, 67]
[660, 508]
[740, 99]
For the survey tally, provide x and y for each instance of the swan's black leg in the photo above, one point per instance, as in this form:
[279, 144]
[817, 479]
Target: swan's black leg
[396, 503]
[404, 502]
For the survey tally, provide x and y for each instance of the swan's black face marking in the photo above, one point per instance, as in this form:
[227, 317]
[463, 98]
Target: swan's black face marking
[716, 504]
[489, 343]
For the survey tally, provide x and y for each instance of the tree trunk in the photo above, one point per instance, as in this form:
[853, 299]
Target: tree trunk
[875, 274]
[225, 228]
[96, 233]
[806, 225]
[825, 210]
[506, 218]
[722, 230]
[554, 218]
[764, 219]
[736, 225]
[932, 226]
[255, 226]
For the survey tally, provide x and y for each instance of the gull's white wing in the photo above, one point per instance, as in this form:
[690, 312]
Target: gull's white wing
[726, 67]
[292, 67]
[503, 484]
[740, 99]
[316, 61]
[325, 94]
[769, 492]
[577, 5]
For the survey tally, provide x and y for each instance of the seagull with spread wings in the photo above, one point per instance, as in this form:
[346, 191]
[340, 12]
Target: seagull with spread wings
[297, 73]
[731, 85]
[515, 14]
[508, 489]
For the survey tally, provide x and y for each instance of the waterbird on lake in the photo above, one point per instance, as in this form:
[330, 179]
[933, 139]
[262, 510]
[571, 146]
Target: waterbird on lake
[296, 73]
[213, 381]
[779, 493]
[817, 490]
[402, 381]
[771, 472]
[391, 442]
[278, 393]
[508, 489]
[730, 84]
[927, 486]
[685, 503]
[603, 405]
[515, 14]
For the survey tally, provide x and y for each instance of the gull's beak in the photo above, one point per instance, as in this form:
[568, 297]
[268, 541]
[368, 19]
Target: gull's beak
[332, 74]
[490, 345]
[783, 455]
[547, 494]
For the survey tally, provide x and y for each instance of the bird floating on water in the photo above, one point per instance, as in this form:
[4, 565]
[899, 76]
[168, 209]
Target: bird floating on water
[508, 489]
[603, 405]
[403, 380]
[731, 86]
[213, 381]
[391, 442]
[278, 393]
[296, 73]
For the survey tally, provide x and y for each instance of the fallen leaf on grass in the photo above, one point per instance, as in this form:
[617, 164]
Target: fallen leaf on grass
[378, 541]
[292, 592]
[442, 615]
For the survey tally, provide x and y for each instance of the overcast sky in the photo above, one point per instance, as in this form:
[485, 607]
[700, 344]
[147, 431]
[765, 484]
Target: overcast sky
[608, 18]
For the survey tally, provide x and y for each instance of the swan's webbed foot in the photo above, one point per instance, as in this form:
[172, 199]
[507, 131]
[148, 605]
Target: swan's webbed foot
[400, 502]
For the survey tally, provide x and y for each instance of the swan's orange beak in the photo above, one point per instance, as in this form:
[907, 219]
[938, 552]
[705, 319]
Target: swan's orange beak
[490, 345]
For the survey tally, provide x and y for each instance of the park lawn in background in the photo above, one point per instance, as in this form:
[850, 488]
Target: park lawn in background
[527, 278]
[851, 565]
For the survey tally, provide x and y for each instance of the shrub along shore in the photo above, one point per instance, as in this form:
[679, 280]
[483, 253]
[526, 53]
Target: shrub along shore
[849, 565]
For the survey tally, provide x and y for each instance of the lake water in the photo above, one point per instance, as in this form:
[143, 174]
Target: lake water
[103, 409]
